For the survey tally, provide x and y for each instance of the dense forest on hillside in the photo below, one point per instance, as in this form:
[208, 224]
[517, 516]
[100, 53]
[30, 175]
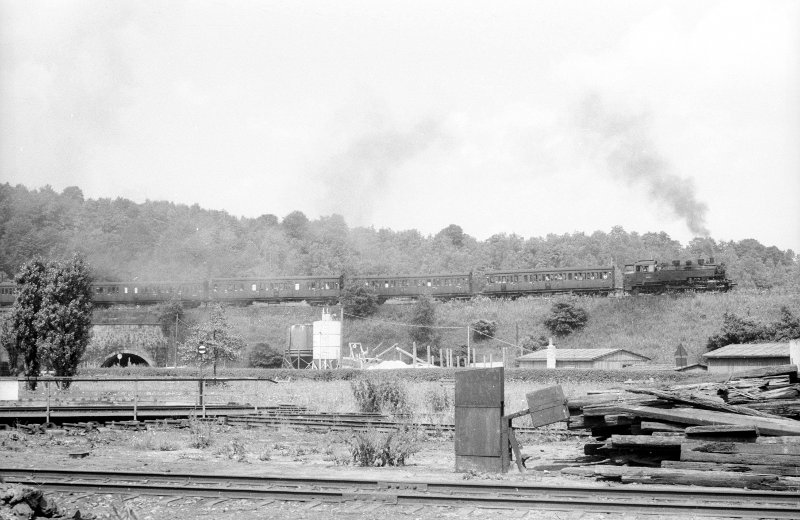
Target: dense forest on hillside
[154, 240]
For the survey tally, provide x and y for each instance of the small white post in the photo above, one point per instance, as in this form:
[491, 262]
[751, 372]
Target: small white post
[794, 353]
[551, 355]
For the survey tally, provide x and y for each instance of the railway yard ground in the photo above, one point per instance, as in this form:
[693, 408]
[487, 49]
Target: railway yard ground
[200, 458]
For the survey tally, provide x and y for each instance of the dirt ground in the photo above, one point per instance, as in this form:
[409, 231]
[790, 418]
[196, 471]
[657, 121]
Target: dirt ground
[283, 452]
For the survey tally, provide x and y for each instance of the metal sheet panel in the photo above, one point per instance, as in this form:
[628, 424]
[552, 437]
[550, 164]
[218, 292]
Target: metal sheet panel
[481, 387]
[477, 431]
[547, 405]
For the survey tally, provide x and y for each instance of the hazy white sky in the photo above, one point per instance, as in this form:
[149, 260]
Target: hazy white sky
[532, 117]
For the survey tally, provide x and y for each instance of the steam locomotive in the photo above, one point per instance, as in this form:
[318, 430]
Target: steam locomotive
[644, 276]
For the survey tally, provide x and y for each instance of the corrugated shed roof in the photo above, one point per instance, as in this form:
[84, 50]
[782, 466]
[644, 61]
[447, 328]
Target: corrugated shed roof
[750, 350]
[577, 354]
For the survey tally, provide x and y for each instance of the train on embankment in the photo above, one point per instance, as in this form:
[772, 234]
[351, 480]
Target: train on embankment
[644, 276]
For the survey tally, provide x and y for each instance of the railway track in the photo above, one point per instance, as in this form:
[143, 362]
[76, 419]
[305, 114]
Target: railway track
[235, 415]
[679, 502]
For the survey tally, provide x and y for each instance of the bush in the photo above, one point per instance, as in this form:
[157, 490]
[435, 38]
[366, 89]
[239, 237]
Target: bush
[366, 395]
[437, 399]
[375, 397]
[565, 318]
[264, 356]
[423, 315]
[358, 301]
[483, 330]
[737, 330]
[532, 343]
[374, 448]
[200, 433]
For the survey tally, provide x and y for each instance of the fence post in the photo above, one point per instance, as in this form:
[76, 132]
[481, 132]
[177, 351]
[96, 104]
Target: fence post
[136, 400]
[47, 386]
[202, 395]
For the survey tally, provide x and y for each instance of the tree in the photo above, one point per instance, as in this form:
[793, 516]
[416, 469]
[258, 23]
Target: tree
[532, 343]
[50, 321]
[220, 341]
[423, 316]
[7, 342]
[264, 356]
[65, 318]
[23, 332]
[295, 224]
[788, 327]
[483, 329]
[736, 330]
[453, 234]
[565, 318]
[172, 318]
[358, 300]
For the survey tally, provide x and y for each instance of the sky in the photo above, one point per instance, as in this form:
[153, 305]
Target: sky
[528, 117]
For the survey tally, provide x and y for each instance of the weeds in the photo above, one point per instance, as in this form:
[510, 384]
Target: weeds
[437, 399]
[200, 433]
[235, 450]
[265, 455]
[386, 396]
[375, 448]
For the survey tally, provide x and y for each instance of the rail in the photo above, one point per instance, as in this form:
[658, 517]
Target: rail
[660, 500]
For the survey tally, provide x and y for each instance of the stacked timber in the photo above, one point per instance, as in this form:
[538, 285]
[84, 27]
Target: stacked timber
[739, 432]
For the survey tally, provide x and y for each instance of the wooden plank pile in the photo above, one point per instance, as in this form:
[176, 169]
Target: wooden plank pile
[739, 432]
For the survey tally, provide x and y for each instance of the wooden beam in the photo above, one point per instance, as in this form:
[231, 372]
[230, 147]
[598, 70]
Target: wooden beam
[740, 453]
[645, 441]
[766, 426]
[702, 402]
[763, 469]
[685, 477]
[722, 430]
[657, 426]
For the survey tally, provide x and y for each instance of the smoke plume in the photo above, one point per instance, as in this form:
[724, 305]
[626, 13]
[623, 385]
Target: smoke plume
[360, 176]
[624, 141]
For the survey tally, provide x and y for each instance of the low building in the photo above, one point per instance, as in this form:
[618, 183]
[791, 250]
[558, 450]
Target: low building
[604, 358]
[691, 369]
[737, 357]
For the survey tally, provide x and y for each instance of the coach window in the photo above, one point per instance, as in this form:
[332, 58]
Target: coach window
[297, 287]
[605, 275]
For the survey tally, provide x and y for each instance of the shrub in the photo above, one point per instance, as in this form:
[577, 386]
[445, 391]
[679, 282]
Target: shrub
[393, 397]
[264, 356]
[737, 330]
[374, 448]
[388, 396]
[235, 450]
[565, 318]
[483, 330]
[200, 433]
[533, 343]
[358, 301]
[423, 315]
[366, 395]
[437, 399]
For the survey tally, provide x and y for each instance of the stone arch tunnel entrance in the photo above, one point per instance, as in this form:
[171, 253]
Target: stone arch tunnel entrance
[127, 358]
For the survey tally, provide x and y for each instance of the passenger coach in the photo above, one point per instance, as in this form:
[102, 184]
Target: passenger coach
[313, 289]
[442, 286]
[590, 280]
